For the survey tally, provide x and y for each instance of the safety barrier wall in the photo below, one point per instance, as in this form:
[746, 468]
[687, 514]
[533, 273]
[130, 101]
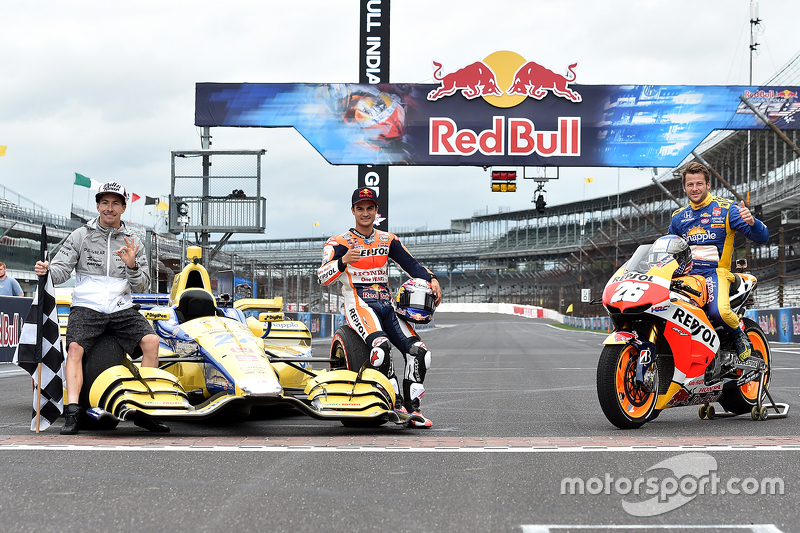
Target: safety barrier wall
[781, 324]
[530, 311]
[323, 325]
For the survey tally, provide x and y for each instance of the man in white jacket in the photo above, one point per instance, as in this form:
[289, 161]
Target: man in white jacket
[108, 266]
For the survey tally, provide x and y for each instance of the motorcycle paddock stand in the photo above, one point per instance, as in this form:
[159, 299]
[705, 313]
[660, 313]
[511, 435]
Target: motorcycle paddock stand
[760, 411]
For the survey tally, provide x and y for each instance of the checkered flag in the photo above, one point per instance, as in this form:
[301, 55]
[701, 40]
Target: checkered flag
[39, 352]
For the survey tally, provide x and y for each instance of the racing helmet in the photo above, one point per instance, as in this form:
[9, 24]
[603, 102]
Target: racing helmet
[670, 247]
[415, 301]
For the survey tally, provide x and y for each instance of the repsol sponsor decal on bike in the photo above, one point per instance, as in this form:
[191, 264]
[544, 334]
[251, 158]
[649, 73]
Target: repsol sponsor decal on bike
[635, 276]
[697, 328]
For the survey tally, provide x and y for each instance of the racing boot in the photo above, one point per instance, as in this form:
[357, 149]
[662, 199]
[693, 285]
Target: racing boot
[414, 391]
[71, 413]
[742, 345]
[398, 396]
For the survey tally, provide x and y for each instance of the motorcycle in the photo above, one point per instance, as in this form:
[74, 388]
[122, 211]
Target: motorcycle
[214, 359]
[664, 352]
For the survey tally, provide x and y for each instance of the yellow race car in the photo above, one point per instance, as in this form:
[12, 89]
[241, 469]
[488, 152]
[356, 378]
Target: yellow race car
[214, 358]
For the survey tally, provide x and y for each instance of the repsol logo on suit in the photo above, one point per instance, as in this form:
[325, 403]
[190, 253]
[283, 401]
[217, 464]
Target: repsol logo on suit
[356, 323]
[382, 250]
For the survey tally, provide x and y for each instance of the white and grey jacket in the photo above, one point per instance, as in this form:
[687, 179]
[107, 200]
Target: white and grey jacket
[103, 281]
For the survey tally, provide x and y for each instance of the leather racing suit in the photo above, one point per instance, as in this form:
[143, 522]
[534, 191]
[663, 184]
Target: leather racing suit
[710, 227]
[369, 308]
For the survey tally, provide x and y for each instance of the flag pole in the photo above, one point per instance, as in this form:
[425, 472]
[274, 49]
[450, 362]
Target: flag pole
[38, 395]
[39, 327]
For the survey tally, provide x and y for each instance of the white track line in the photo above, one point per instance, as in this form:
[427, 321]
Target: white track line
[755, 528]
[396, 449]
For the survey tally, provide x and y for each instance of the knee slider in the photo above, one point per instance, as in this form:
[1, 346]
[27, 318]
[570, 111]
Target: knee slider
[379, 355]
[420, 352]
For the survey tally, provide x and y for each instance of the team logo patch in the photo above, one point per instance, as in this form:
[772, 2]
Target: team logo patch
[716, 211]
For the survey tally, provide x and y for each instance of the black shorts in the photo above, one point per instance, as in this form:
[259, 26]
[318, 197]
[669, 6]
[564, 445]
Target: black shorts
[86, 325]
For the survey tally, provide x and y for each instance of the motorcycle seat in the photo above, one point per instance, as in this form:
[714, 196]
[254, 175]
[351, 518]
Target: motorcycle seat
[735, 284]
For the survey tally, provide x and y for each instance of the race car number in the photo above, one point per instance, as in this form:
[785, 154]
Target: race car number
[629, 291]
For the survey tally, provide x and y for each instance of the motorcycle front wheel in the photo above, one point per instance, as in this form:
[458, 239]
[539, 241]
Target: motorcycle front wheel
[625, 405]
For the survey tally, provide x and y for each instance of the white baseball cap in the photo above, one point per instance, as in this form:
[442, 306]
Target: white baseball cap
[112, 187]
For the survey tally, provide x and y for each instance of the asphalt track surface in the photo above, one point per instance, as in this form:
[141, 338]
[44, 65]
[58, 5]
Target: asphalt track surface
[515, 414]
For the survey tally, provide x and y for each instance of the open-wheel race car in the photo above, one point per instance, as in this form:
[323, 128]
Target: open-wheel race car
[214, 359]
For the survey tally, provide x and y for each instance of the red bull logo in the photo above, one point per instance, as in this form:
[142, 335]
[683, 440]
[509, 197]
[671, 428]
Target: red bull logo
[505, 79]
[477, 79]
[534, 80]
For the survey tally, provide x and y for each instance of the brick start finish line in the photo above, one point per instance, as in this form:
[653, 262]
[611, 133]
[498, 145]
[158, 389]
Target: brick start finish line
[123, 440]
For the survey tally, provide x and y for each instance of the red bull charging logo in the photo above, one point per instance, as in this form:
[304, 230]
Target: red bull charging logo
[504, 79]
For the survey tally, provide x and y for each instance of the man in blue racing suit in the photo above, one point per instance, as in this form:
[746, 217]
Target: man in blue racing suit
[359, 259]
[709, 224]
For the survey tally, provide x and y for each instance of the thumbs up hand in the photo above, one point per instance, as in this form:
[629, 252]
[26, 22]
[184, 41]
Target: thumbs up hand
[746, 215]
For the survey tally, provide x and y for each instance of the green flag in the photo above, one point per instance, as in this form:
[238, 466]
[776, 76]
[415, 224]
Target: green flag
[82, 180]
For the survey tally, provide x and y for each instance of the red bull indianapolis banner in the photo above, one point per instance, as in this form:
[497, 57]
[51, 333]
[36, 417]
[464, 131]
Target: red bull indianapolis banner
[503, 110]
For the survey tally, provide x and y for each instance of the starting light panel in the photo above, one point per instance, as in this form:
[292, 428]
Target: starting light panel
[504, 181]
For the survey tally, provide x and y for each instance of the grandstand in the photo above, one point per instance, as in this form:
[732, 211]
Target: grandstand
[514, 256]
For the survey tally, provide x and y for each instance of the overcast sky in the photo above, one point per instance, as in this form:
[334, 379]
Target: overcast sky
[106, 89]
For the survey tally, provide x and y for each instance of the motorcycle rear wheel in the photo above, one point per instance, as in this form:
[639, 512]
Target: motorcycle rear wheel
[625, 405]
[742, 399]
[348, 350]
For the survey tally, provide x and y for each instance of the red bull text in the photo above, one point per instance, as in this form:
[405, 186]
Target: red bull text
[523, 139]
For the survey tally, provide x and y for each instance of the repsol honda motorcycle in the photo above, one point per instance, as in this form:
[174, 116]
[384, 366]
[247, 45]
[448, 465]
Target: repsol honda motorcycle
[664, 352]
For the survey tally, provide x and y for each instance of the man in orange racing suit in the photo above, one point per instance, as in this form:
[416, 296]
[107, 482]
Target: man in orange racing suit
[709, 225]
[359, 258]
